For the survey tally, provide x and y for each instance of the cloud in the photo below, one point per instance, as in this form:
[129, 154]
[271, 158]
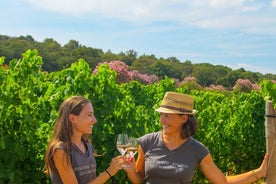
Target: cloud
[225, 3]
[252, 68]
[123, 9]
[273, 3]
[241, 15]
[251, 8]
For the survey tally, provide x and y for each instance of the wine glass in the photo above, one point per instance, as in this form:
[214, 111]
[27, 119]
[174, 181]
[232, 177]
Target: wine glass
[122, 143]
[133, 147]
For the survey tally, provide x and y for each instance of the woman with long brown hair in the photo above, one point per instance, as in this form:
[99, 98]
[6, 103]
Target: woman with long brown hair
[69, 157]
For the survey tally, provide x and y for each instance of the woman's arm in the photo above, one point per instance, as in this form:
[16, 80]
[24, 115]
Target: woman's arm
[67, 174]
[212, 172]
[136, 172]
[114, 167]
[64, 168]
[250, 176]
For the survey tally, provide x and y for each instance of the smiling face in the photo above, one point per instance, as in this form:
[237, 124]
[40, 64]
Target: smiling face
[172, 123]
[83, 123]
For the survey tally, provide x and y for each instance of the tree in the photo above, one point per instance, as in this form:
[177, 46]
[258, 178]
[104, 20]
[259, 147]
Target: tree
[109, 56]
[56, 57]
[204, 74]
[71, 45]
[161, 68]
[229, 80]
[187, 69]
[142, 64]
[50, 50]
[128, 57]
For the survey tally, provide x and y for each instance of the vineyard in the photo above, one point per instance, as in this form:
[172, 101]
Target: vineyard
[231, 124]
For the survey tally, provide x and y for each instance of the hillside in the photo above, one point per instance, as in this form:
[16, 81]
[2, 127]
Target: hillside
[57, 57]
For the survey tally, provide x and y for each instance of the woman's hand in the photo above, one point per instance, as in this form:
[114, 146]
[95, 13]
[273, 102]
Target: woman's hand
[262, 170]
[129, 165]
[116, 165]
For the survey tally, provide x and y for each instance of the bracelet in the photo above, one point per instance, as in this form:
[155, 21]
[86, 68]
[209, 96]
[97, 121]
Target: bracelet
[255, 174]
[108, 173]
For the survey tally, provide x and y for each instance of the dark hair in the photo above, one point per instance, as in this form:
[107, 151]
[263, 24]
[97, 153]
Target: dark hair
[190, 127]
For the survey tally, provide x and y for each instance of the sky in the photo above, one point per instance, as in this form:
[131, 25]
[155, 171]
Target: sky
[233, 33]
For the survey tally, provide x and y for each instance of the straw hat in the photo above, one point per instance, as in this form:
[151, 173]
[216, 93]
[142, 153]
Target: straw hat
[177, 103]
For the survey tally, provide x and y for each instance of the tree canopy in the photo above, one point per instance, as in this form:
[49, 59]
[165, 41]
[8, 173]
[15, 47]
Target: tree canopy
[57, 57]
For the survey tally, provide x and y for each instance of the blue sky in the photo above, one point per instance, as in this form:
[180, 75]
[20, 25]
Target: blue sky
[234, 33]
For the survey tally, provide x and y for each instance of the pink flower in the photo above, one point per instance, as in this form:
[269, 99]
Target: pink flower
[124, 75]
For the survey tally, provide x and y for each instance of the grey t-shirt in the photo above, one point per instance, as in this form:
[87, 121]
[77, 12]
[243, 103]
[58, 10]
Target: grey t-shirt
[164, 166]
[84, 164]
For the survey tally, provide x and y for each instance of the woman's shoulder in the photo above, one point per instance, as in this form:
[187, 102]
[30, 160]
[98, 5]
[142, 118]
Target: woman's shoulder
[196, 142]
[150, 140]
[153, 137]
[59, 145]
[199, 147]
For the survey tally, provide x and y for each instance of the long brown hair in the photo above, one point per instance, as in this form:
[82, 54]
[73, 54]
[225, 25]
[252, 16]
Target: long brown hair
[63, 129]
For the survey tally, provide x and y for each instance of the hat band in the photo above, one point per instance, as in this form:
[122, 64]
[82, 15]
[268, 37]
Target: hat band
[175, 108]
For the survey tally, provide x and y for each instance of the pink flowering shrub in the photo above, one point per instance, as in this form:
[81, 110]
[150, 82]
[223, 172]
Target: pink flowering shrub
[244, 85]
[125, 76]
[120, 67]
[142, 78]
[213, 87]
[177, 82]
[190, 83]
[255, 87]
[189, 79]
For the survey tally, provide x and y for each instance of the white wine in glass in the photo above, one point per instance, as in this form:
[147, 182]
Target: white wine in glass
[122, 143]
[133, 146]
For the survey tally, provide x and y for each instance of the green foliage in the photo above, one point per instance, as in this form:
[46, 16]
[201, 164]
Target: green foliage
[57, 57]
[22, 114]
[269, 90]
[2, 59]
[231, 125]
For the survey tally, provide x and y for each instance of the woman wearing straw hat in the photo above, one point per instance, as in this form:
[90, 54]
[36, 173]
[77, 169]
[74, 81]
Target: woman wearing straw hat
[172, 155]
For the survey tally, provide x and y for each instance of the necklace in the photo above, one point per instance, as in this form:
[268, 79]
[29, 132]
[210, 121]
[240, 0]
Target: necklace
[81, 147]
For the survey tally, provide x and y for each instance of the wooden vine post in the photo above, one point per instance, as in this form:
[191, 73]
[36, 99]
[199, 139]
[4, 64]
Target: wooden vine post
[270, 132]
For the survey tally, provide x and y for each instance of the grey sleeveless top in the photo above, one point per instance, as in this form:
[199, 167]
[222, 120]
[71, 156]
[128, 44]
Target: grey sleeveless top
[177, 166]
[84, 164]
